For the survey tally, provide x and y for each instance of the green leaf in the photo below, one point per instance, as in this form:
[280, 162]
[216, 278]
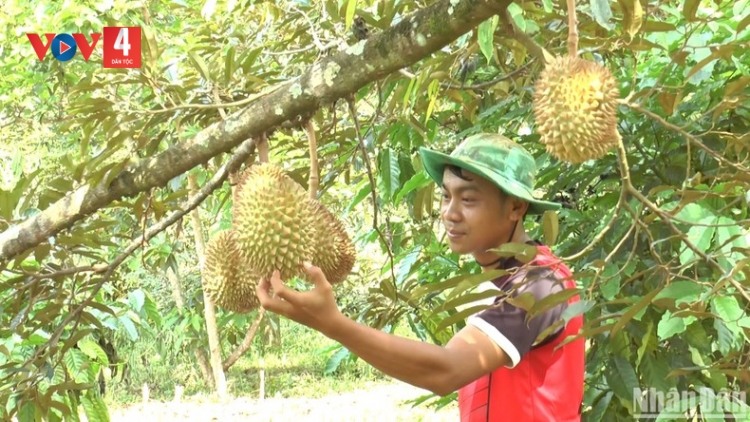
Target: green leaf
[459, 316]
[682, 291]
[470, 279]
[551, 301]
[389, 172]
[361, 195]
[418, 181]
[486, 37]
[689, 9]
[611, 285]
[136, 299]
[597, 412]
[92, 349]
[521, 251]
[655, 371]
[633, 310]
[602, 13]
[351, 8]
[622, 380]
[516, 13]
[632, 12]
[468, 298]
[200, 65]
[333, 363]
[647, 343]
[127, 323]
[700, 237]
[95, 408]
[27, 412]
[729, 310]
[670, 325]
[77, 365]
[550, 227]
[229, 65]
[725, 337]
[577, 308]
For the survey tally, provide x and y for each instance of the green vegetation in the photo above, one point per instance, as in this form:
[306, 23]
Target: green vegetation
[102, 172]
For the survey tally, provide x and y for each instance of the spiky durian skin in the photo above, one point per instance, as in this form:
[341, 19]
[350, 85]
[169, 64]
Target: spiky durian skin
[227, 279]
[274, 222]
[575, 109]
[335, 252]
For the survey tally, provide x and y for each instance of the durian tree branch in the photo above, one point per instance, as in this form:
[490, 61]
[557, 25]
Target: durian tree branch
[373, 191]
[221, 175]
[690, 138]
[313, 180]
[625, 177]
[415, 37]
[523, 38]
[246, 342]
[572, 29]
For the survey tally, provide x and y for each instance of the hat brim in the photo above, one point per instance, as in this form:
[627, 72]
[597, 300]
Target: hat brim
[434, 163]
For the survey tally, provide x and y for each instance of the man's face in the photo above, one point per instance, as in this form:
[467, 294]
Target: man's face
[476, 214]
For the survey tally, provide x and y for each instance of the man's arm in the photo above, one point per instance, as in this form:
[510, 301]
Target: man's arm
[441, 370]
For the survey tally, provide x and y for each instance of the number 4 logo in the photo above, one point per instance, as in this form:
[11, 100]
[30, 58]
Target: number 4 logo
[122, 47]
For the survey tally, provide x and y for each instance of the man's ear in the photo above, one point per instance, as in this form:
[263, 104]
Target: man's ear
[519, 208]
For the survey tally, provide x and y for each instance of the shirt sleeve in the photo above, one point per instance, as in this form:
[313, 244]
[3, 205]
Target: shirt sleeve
[507, 325]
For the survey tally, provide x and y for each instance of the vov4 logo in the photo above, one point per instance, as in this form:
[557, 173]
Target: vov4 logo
[122, 46]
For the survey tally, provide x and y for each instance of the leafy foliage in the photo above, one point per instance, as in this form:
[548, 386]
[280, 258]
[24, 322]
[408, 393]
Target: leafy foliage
[657, 233]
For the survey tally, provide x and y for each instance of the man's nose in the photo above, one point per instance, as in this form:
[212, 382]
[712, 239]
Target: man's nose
[451, 212]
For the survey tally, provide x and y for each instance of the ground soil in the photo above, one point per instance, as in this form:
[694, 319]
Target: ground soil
[382, 402]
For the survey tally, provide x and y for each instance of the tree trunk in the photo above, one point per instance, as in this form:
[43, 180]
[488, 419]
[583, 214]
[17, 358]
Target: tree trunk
[220, 381]
[415, 37]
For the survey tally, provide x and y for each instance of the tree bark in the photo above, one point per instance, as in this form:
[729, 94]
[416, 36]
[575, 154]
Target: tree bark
[220, 381]
[415, 37]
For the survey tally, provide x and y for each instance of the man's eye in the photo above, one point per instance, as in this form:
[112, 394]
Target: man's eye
[469, 200]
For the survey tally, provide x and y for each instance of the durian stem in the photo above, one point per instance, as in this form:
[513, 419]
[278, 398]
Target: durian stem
[313, 180]
[523, 38]
[262, 143]
[572, 29]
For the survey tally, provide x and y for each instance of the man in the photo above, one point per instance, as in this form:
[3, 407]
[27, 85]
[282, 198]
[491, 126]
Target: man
[501, 369]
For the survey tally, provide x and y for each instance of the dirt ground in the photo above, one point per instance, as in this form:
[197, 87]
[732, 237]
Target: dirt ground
[378, 403]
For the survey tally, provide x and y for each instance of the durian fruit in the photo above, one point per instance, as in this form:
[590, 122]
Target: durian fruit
[575, 109]
[227, 278]
[335, 252]
[275, 223]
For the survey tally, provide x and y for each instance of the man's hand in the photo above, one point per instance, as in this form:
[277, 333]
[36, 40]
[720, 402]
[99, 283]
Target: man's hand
[316, 309]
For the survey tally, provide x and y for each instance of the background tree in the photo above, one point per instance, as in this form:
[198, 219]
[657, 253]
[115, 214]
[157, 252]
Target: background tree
[96, 163]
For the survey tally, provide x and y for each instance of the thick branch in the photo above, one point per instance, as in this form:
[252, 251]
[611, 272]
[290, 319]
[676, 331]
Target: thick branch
[415, 37]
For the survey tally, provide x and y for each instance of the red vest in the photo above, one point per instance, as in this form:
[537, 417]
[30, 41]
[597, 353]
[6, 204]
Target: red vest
[545, 386]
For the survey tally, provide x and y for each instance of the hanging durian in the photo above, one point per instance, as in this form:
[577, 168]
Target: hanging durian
[274, 222]
[227, 278]
[575, 108]
[335, 252]
[575, 104]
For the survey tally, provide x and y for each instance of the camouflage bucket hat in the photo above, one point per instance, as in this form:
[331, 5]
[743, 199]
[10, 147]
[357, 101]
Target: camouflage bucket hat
[505, 163]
